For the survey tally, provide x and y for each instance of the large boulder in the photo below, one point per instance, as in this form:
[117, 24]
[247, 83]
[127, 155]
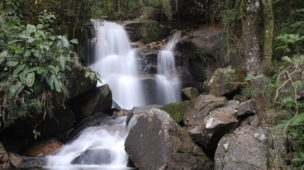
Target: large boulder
[250, 147]
[96, 100]
[156, 141]
[200, 108]
[218, 123]
[225, 82]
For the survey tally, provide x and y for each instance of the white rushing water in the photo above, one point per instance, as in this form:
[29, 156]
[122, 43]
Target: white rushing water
[99, 147]
[115, 62]
[168, 84]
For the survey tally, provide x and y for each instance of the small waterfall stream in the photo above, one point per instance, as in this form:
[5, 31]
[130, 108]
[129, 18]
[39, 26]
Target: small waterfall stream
[167, 81]
[116, 64]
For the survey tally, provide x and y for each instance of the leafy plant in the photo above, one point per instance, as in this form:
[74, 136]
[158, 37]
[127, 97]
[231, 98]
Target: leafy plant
[32, 64]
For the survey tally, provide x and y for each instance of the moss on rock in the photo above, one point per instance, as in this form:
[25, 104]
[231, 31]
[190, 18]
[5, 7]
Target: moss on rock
[176, 110]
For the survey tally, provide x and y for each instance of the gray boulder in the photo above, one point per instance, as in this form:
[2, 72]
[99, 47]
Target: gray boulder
[250, 148]
[157, 142]
[247, 108]
[224, 82]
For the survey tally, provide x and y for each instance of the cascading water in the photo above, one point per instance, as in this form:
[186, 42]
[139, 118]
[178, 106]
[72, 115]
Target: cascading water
[116, 64]
[99, 147]
[167, 81]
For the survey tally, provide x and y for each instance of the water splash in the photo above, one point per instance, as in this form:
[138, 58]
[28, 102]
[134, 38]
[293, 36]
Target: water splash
[115, 62]
[168, 84]
[98, 147]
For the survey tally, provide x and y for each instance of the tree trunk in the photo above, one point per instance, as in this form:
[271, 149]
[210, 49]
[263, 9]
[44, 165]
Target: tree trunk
[250, 13]
[268, 34]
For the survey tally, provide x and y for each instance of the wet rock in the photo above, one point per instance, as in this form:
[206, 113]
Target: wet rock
[95, 100]
[141, 110]
[247, 108]
[157, 142]
[176, 110]
[224, 82]
[200, 108]
[189, 93]
[31, 162]
[44, 147]
[94, 157]
[249, 148]
[63, 120]
[218, 123]
[93, 120]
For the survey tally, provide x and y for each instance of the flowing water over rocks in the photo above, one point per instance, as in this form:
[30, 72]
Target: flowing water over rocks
[98, 147]
[167, 81]
[116, 64]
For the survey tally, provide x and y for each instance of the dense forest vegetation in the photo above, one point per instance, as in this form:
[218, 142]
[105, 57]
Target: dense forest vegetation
[43, 41]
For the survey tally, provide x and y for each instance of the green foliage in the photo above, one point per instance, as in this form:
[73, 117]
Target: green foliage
[153, 32]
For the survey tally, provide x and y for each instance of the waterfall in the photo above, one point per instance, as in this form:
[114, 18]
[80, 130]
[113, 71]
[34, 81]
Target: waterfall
[99, 147]
[168, 84]
[116, 64]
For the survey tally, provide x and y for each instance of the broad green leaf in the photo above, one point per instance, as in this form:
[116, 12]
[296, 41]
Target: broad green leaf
[74, 41]
[15, 48]
[15, 90]
[27, 53]
[12, 63]
[287, 59]
[58, 85]
[19, 69]
[30, 28]
[30, 79]
[39, 26]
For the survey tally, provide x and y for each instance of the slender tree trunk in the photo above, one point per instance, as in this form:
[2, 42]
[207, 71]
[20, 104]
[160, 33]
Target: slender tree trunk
[268, 34]
[250, 12]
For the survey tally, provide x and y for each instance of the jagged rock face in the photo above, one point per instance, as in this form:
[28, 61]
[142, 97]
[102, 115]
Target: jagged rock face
[219, 122]
[251, 148]
[96, 100]
[200, 108]
[224, 82]
[247, 108]
[157, 142]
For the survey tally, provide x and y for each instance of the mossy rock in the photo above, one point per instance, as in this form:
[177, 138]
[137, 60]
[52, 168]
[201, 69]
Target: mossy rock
[176, 110]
